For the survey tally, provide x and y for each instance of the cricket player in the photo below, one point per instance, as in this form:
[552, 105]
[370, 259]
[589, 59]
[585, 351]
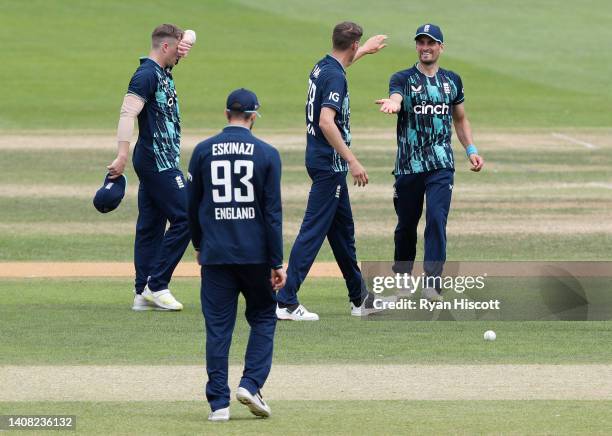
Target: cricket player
[428, 100]
[162, 197]
[235, 215]
[328, 159]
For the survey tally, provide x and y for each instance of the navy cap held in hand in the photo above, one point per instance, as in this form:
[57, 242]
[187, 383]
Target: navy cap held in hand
[109, 196]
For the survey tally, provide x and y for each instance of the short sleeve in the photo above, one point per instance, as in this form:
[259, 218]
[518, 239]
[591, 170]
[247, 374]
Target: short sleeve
[334, 92]
[396, 84]
[143, 84]
[459, 85]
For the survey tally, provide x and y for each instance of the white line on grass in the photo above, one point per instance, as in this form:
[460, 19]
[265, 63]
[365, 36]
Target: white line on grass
[573, 140]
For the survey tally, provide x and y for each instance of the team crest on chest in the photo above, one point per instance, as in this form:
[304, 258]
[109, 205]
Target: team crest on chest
[447, 89]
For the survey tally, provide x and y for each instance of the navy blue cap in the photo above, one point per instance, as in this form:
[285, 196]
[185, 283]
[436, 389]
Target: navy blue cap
[431, 30]
[111, 193]
[242, 100]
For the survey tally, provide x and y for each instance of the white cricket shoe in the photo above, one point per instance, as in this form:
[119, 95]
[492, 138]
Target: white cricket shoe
[366, 308]
[255, 403]
[163, 299]
[141, 304]
[300, 313]
[219, 415]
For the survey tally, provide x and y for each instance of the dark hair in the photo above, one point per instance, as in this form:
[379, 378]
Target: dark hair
[164, 31]
[345, 34]
[239, 114]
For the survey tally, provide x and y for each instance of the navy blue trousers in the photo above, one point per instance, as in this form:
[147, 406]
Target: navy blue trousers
[221, 285]
[328, 214]
[162, 198]
[410, 190]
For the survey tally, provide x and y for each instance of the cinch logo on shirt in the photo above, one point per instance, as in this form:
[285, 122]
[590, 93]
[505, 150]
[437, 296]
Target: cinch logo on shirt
[432, 109]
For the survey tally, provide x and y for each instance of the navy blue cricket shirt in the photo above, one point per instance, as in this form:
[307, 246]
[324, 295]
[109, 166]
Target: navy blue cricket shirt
[159, 125]
[327, 87]
[235, 211]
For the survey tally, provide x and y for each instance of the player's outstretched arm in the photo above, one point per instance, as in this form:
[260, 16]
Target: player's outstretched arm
[464, 133]
[131, 107]
[333, 136]
[373, 45]
[391, 105]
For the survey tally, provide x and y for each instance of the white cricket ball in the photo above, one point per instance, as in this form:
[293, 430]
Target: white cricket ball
[489, 335]
[189, 36]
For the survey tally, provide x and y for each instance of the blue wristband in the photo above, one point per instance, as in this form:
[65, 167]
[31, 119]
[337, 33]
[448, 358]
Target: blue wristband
[470, 150]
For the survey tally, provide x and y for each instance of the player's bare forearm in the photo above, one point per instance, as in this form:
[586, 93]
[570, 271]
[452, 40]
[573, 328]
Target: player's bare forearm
[123, 149]
[462, 125]
[334, 137]
[117, 167]
[464, 133]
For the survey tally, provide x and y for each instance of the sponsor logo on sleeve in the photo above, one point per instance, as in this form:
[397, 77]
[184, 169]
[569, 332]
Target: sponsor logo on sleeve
[334, 96]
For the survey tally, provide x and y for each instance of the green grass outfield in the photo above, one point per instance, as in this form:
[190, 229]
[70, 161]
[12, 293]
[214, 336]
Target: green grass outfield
[334, 417]
[524, 63]
[50, 322]
[547, 202]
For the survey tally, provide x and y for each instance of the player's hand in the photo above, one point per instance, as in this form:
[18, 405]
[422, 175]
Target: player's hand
[183, 48]
[477, 162]
[278, 278]
[360, 176]
[116, 168]
[374, 44]
[389, 106]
